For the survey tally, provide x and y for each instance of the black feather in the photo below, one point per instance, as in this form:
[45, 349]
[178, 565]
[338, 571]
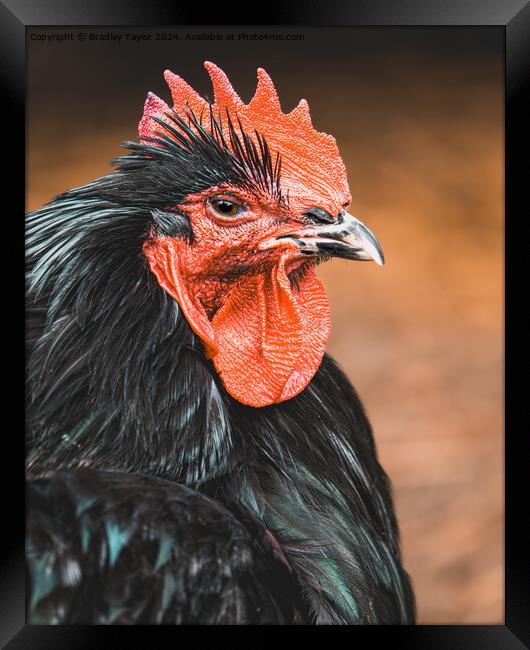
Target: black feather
[106, 547]
[174, 223]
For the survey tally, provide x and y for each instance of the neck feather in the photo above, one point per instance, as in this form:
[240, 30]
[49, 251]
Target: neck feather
[116, 378]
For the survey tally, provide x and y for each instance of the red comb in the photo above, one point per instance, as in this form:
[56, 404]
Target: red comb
[310, 159]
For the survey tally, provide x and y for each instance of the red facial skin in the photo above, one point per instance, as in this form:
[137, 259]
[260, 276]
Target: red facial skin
[266, 340]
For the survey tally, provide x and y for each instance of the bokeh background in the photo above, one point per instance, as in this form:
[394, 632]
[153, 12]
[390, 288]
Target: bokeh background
[418, 116]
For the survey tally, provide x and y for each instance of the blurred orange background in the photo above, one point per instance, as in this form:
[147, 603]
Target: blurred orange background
[418, 116]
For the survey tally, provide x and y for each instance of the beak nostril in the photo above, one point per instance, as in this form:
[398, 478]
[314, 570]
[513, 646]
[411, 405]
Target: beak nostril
[318, 215]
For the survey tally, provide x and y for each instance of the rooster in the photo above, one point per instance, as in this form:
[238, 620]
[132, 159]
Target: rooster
[193, 455]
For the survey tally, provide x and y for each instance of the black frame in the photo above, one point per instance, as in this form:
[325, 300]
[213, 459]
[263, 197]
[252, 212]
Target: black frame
[511, 15]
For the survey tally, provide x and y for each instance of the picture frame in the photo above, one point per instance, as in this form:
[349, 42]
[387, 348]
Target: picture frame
[512, 16]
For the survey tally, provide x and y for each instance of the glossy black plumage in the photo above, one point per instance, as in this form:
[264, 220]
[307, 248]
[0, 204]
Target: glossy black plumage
[117, 381]
[114, 548]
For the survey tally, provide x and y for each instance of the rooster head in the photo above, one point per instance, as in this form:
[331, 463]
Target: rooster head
[268, 199]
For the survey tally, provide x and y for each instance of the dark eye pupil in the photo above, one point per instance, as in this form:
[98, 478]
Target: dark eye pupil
[225, 206]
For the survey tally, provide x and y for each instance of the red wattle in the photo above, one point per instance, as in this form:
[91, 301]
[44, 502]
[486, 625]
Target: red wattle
[266, 340]
[270, 338]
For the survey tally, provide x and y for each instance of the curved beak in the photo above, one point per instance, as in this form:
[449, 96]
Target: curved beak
[347, 237]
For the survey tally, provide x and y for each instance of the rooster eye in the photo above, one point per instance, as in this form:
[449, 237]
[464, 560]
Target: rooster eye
[225, 208]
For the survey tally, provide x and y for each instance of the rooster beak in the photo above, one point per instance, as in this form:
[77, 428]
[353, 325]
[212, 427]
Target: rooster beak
[347, 237]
